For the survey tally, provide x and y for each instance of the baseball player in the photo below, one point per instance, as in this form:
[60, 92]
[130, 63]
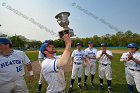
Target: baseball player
[131, 60]
[51, 66]
[90, 53]
[41, 57]
[104, 56]
[78, 57]
[12, 68]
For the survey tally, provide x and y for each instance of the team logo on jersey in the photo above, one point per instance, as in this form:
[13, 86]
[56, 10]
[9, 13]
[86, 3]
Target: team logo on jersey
[8, 63]
[78, 55]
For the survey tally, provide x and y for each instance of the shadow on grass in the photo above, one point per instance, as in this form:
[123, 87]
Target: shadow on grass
[116, 88]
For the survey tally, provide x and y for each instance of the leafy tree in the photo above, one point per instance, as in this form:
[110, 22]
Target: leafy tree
[118, 39]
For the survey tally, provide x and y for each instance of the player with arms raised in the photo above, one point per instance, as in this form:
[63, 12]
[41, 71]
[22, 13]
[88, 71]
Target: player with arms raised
[51, 66]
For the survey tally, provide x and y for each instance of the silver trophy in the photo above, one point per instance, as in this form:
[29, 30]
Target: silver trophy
[62, 19]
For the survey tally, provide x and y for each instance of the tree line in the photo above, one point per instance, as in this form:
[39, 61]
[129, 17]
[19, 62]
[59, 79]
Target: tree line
[22, 43]
[118, 39]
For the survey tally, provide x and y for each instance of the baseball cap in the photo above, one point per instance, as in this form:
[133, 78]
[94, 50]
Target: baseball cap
[4, 40]
[46, 41]
[44, 45]
[90, 42]
[103, 45]
[132, 45]
[78, 44]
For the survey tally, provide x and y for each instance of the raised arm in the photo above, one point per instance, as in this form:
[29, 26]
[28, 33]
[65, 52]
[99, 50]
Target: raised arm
[67, 52]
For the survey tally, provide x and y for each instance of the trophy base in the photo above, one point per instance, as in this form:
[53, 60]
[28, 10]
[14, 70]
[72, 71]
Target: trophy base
[70, 32]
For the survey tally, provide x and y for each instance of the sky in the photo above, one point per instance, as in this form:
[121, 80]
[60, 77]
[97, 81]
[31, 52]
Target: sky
[35, 19]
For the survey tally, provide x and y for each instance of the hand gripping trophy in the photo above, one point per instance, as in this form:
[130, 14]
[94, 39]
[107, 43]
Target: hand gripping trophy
[62, 19]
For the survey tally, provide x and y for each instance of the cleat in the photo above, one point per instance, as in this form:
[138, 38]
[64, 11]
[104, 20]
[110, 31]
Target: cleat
[110, 90]
[80, 87]
[85, 86]
[92, 85]
[101, 87]
[70, 90]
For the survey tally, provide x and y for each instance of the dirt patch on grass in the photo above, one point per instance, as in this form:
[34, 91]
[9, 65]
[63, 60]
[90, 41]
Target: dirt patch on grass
[36, 67]
[119, 51]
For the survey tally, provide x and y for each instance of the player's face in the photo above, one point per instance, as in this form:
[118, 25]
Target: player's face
[51, 49]
[3, 48]
[78, 47]
[90, 45]
[103, 48]
[132, 50]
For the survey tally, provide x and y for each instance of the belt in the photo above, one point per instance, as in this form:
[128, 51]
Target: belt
[105, 64]
[77, 63]
[133, 69]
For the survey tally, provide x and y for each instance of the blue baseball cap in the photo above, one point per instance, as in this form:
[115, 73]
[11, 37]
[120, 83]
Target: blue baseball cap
[44, 45]
[90, 42]
[4, 40]
[132, 45]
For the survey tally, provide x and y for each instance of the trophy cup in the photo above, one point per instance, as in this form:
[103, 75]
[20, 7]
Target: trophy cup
[62, 19]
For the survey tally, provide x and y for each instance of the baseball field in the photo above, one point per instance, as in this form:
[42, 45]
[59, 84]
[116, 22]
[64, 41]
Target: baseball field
[118, 82]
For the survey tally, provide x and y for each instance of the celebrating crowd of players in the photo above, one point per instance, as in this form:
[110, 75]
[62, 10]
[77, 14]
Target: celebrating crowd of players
[12, 66]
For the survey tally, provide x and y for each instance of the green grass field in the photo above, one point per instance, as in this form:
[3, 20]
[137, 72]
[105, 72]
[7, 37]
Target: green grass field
[33, 56]
[118, 82]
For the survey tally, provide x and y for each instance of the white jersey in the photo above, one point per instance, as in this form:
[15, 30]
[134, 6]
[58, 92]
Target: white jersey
[78, 56]
[91, 53]
[12, 66]
[54, 76]
[131, 64]
[104, 59]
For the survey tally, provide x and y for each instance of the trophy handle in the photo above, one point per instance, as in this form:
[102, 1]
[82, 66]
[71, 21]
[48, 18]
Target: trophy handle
[71, 32]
